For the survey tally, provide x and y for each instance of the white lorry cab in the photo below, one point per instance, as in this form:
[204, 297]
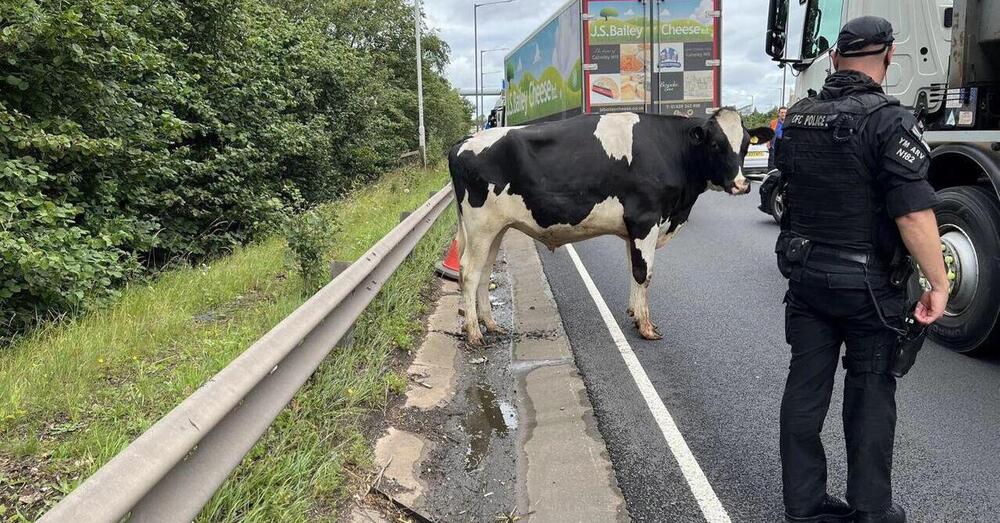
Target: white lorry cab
[947, 69]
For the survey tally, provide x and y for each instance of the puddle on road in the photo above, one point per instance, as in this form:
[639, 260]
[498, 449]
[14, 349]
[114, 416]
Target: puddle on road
[486, 416]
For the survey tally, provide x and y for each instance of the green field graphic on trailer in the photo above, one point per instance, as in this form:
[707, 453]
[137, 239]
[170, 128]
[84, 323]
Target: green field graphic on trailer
[544, 73]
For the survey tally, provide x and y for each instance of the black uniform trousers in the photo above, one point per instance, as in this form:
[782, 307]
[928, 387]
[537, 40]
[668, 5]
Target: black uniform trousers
[827, 306]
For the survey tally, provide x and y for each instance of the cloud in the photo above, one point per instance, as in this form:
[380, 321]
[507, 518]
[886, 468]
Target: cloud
[702, 12]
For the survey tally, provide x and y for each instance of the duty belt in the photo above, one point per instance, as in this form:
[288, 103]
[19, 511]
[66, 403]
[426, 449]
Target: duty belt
[840, 254]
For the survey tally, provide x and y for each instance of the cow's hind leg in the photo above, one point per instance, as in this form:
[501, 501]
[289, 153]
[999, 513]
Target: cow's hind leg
[643, 250]
[483, 305]
[474, 256]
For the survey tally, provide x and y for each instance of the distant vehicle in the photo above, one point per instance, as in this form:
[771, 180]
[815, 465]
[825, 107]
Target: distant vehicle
[755, 163]
[772, 201]
[947, 68]
[595, 56]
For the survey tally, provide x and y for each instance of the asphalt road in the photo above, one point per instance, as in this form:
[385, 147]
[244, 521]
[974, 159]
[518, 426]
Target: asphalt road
[720, 370]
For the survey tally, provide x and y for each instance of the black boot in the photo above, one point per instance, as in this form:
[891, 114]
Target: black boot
[893, 514]
[831, 510]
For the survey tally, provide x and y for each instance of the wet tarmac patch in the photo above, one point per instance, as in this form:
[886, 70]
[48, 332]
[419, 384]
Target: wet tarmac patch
[484, 418]
[470, 469]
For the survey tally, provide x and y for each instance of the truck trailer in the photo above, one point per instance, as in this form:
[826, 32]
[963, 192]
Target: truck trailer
[947, 69]
[600, 56]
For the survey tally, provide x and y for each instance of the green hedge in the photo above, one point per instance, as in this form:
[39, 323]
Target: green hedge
[134, 133]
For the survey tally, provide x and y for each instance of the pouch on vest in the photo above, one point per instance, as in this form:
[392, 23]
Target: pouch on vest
[784, 267]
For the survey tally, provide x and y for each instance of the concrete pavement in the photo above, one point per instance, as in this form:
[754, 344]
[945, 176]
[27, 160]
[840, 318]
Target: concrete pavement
[508, 430]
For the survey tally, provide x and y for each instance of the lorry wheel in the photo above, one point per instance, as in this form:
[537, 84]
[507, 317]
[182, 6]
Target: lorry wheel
[777, 204]
[969, 222]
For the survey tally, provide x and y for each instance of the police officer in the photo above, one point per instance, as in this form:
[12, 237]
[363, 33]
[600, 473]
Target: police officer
[855, 165]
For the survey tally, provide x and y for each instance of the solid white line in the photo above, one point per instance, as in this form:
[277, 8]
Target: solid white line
[710, 505]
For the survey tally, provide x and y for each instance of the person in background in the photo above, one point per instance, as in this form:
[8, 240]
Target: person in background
[491, 121]
[777, 125]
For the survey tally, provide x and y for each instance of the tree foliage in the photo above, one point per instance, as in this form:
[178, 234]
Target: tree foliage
[137, 132]
[760, 119]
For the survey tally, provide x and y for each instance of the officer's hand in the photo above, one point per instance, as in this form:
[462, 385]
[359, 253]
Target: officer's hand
[931, 306]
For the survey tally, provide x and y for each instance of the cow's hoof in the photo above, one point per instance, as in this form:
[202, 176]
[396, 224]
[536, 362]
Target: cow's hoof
[476, 340]
[649, 332]
[494, 328]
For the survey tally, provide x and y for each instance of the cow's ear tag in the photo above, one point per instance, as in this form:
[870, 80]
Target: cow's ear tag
[754, 140]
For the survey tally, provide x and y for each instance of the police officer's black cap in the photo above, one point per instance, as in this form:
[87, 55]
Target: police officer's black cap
[864, 32]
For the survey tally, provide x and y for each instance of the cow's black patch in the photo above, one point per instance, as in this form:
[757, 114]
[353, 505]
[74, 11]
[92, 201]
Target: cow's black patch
[639, 269]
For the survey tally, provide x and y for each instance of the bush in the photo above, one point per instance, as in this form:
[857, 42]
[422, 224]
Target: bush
[49, 263]
[135, 133]
[310, 238]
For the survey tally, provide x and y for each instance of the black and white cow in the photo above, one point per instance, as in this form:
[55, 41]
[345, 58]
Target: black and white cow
[630, 175]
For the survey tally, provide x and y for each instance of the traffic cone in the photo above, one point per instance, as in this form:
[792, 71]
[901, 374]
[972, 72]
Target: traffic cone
[450, 265]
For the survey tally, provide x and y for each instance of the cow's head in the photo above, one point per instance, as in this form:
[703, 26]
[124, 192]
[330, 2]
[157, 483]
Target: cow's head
[721, 144]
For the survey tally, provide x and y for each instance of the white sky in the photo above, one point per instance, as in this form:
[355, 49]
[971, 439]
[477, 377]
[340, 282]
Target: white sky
[747, 71]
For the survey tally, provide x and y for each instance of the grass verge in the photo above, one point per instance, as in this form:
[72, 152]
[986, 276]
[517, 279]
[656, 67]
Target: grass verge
[74, 395]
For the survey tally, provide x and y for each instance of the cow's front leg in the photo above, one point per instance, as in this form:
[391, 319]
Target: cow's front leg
[484, 307]
[634, 288]
[642, 253]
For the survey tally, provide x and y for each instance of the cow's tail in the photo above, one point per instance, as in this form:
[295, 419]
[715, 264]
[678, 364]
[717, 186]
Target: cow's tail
[458, 172]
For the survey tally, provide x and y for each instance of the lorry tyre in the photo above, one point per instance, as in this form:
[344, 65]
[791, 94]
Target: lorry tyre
[969, 222]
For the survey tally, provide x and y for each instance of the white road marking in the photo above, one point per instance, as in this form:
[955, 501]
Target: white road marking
[710, 505]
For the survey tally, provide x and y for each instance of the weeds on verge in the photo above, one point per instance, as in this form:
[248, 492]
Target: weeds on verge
[310, 238]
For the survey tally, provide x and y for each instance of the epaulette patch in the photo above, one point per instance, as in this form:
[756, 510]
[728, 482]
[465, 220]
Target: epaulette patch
[910, 153]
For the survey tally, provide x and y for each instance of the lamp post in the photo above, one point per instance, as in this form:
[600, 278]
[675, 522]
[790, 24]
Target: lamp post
[778, 91]
[422, 140]
[475, 39]
[482, 80]
[784, 78]
[483, 75]
[482, 84]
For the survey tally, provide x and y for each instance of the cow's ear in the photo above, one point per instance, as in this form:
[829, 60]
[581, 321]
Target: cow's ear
[698, 135]
[761, 135]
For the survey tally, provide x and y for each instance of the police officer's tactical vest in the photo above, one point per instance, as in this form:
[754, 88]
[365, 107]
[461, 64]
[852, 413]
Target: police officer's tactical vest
[830, 195]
